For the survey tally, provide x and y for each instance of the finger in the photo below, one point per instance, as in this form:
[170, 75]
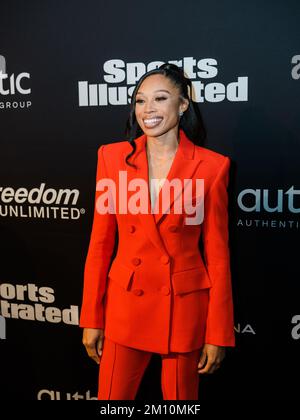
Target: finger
[210, 368]
[202, 360]
[207, 368]
[95, 357]
[91, 351]
[99, 346]
[217, 366]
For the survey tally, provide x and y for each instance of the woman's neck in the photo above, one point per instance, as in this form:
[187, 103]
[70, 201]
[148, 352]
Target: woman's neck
[162, 147]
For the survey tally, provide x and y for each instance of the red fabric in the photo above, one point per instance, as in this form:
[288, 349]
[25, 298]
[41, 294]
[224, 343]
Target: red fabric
[122, 369]
[160, 294]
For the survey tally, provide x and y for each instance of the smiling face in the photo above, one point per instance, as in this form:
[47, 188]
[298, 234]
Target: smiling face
[157, 105]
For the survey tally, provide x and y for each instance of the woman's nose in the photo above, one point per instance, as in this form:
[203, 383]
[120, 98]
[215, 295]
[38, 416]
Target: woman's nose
[149, 106]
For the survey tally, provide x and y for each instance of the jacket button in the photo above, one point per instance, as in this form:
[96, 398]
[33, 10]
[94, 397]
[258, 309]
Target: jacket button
[136, 261]
[131, 228]
[137, 292]
[164, 259]
[173, 228]
[165, 290]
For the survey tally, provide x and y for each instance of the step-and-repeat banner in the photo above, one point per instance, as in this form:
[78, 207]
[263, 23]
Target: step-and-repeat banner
[67, 71]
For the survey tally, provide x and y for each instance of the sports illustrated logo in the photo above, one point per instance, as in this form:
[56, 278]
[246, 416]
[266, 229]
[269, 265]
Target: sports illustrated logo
[46, 394]
[295, 73]
[120, 79]
[14, 84]
[40, 203]
[265, 201]
[2, 328]
[138, 202]
[37, 310]
[295, 333]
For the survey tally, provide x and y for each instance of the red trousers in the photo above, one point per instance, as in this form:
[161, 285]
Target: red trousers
[122, 368]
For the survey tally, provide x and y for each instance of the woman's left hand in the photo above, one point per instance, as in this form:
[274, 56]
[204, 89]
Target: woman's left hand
[211, 358]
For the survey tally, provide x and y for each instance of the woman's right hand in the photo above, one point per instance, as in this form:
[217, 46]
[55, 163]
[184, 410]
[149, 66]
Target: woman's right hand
[92, 340]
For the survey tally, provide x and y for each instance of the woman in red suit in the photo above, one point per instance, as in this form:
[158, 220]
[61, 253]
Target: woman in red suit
[168, 289]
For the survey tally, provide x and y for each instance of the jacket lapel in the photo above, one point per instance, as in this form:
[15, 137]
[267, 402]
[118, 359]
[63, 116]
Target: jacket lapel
[183, 167]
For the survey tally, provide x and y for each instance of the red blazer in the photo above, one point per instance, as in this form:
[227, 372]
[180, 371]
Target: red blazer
[160, 293]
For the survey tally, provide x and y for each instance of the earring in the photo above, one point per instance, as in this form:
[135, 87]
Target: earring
[181, 113]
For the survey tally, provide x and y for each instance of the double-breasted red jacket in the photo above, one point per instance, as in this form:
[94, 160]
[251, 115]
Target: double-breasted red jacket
[161, 292]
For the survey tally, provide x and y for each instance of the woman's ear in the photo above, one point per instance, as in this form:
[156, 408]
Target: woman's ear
[184, 105]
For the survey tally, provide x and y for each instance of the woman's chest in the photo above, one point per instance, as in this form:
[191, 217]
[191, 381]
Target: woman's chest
[157, 172]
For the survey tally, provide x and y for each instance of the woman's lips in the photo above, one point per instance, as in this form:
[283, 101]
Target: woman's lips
[152, 122]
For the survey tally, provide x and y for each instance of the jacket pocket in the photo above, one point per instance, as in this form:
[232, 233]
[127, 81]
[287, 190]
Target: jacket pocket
[121, 274]
[190, 280]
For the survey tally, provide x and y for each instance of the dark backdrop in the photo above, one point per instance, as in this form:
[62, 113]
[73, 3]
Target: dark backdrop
[49, 139]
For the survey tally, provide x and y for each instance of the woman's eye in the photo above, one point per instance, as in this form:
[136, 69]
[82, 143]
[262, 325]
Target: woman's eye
[159, 98]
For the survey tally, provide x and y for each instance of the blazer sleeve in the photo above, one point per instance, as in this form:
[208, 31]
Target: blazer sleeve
[220, 320]
[101, 246]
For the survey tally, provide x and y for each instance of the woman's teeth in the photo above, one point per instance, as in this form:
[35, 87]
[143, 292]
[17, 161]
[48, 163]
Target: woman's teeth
[152, 122]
